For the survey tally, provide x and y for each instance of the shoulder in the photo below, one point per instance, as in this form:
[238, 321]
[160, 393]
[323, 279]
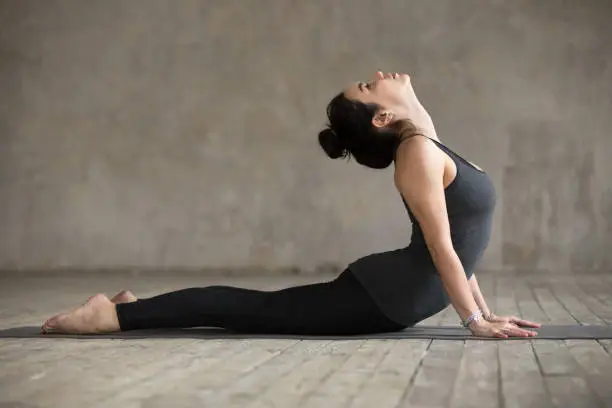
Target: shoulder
[416, 157]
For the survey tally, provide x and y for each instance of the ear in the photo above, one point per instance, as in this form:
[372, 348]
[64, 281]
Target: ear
[382, 118]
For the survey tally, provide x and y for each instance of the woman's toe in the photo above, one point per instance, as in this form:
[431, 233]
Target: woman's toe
[125, 296]
[50, 324]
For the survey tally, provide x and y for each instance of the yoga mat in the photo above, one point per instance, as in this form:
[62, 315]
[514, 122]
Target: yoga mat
[549, 332]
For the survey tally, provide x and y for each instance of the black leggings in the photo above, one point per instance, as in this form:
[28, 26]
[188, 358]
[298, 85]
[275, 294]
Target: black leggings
[338, 307]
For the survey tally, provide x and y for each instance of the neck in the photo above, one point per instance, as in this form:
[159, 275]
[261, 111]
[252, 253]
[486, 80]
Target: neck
[407, 128]
[413, 112]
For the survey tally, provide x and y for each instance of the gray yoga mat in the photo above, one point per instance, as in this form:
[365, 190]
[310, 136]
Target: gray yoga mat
[550, 332]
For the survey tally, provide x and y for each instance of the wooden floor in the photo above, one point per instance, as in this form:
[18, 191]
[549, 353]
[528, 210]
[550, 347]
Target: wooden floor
[168, 373]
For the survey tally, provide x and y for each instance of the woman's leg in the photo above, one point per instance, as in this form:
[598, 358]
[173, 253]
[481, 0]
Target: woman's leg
[341, 306]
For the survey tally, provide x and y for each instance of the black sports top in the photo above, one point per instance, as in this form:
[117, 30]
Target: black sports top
[404, 282]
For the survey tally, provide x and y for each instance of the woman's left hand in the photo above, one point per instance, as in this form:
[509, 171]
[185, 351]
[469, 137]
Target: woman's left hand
[512, 319]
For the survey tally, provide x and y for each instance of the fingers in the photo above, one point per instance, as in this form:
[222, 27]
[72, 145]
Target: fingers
[500, 334]
[525, 323]
[515, 331]
[504, 330]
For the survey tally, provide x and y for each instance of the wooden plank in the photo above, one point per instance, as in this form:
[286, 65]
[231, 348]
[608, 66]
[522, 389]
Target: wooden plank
[450, 317]
[279, 381]
[588, 295]
[103, 374]
[527, 304]
[391, 380]
[564, 294]
[339, 389]
[570, 392]
[606, 344]
[554, 357]
[47, 370]
[505, 297]
[438, 318]
[29, 355]
[202, 371]
[521, 380]
[596, 364]
[477, 381]
[435, 378]
[551, 306]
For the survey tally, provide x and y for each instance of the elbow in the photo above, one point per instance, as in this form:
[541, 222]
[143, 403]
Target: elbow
[440, 249]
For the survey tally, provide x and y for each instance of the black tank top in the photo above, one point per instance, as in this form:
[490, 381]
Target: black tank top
[404, 282]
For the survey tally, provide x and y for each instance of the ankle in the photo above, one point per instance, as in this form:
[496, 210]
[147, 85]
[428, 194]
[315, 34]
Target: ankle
[106, 318]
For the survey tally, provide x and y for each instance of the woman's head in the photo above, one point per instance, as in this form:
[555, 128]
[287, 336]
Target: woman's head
[368, 120]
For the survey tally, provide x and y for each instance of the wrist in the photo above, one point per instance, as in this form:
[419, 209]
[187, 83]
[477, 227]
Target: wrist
[475, 316]
[476, 324]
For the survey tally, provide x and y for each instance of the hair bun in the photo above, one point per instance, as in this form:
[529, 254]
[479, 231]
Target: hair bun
[331, 143]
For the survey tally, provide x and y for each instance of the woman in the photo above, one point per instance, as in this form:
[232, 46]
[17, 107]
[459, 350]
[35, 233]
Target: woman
[449, 200]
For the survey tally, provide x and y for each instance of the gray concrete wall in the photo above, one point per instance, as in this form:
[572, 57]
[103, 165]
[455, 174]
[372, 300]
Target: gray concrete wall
[183, 133]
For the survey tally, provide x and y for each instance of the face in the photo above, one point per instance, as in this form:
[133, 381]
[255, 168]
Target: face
[390, 91]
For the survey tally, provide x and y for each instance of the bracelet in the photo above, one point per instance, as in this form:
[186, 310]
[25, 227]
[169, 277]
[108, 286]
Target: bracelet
[477, 315]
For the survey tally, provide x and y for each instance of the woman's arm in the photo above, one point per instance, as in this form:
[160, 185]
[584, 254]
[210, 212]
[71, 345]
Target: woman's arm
[419, 178]
[490, 316]
[478, 297]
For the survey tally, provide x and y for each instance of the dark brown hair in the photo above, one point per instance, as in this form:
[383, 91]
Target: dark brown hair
[350, 132]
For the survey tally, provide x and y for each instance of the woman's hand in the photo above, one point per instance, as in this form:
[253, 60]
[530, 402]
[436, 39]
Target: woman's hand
[511, 319]
[502, 330]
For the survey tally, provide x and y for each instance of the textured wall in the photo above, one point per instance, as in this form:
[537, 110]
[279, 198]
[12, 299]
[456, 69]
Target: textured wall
[183, 133]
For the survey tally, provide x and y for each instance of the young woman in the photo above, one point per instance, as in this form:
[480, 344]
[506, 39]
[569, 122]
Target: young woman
[449, 200]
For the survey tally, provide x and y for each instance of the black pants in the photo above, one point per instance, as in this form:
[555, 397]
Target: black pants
[338, 307]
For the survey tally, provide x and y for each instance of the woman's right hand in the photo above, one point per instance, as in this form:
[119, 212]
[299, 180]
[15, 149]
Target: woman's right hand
[502, 330]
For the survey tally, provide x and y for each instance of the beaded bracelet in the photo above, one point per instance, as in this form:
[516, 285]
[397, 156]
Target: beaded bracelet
[477, 315]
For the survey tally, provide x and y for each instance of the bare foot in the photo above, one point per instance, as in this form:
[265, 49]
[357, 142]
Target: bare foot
[97, 315]
[125, 296]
